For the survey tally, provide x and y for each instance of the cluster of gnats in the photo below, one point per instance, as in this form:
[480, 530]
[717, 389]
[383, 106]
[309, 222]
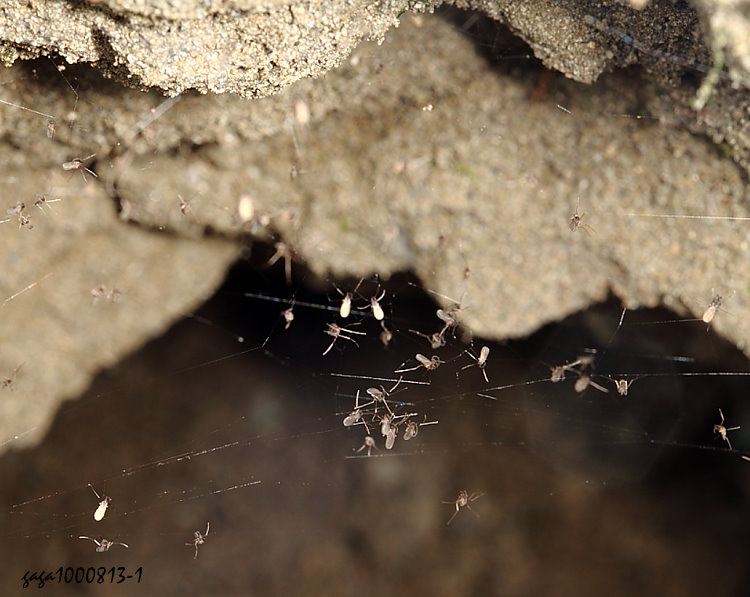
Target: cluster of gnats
[21, 213]
[390, 420]
[105, 293]
[380, 411]
[103, 544]
[583, 367]
[19, 210]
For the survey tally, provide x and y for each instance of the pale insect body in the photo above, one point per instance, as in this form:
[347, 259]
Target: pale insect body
[16, 209]
[713, 307]
[576, 220]
[622, 385]
[356, 415]
[352, 418]
[586, 360]
[412, 428]
[390, 438]
[338, 332]
[199, 539]
[430, 364]
[79, 164]
[437, 340]
[557, 373]
[346, 302]
[386, 335]
[43, 202]
[479, 361]
[377, 310]
[101, 509]
[386, 422]
[462, 501]
[24, 221]
[184, 205]
[288, 316]
[381, 394]
[369, 444]
[283, 251]
[721, 430]
[111, 295]
[346, 305]
[584, 381]
[245, 209]
[448, 317]
[389, 427]
[302, 112]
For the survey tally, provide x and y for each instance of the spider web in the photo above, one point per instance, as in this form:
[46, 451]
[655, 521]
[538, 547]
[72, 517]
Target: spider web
[198, 428]
[192, 430]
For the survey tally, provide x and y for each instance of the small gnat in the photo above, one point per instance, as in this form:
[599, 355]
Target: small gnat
[283, 251]
[377, 310]
[346, 302]
[576, 220]
[463, 501]
[436, 340]
[302, 112]
[713, 307]
[622, 385]
[245, 209]
[356, 415]
[103, 544]
[430, 364]
[79, 164]
[390, 438]
[479, 361]
[7, 381]
[288, 317]
[584, 381]
[111, 295]
[721, 430]
[412, 428]
[368, 444]
[184, 205]
[386, 335]
[199, 539]
[337, 332]
[101, 510]
[381, 394]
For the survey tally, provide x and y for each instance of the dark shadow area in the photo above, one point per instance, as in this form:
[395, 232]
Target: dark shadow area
[584, 493]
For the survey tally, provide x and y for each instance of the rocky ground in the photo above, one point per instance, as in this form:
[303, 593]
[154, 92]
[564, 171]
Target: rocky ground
[430, 151]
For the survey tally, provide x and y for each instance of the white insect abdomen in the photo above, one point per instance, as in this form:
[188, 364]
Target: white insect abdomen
[101, 510]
